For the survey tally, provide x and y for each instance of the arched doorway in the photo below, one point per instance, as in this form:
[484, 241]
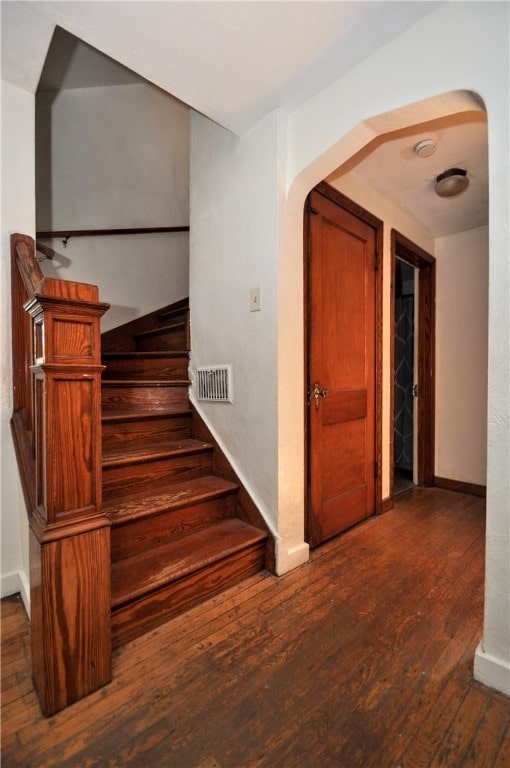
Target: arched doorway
[308, 168]
[464, 111]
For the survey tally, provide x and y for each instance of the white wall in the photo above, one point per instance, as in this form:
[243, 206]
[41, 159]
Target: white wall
[234, 245]
[18, 215]
[110, 158]
[461, 355]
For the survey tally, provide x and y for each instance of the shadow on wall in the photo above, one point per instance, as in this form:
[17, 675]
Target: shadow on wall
[52, 267]
[117, 314]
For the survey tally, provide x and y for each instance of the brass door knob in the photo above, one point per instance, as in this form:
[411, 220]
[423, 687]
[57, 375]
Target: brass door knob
[318, 392]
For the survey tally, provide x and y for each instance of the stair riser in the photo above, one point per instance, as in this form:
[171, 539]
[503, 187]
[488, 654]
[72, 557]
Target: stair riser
[131, 433]
[145, 474]
[131, 538]
[171, 341]
[157, 368]
[173, 316]
[123, 398]
[134, 619]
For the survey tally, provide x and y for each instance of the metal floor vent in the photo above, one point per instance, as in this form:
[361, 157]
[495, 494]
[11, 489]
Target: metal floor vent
[215, 383]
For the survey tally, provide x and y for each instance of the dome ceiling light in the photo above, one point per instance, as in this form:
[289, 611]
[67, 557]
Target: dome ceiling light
[451, 183]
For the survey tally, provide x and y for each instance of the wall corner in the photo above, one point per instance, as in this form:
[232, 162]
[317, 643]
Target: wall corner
[491, 671]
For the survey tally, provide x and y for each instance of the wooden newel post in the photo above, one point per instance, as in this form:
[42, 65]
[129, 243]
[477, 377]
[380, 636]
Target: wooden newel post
[69, 535]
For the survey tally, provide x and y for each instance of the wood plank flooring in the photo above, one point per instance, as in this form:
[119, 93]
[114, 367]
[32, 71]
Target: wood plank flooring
[362, 658]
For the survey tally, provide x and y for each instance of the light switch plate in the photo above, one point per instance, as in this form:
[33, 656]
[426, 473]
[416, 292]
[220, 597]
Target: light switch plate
[255, 300]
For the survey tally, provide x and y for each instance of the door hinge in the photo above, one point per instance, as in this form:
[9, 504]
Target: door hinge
[312, 210]
[376, 469]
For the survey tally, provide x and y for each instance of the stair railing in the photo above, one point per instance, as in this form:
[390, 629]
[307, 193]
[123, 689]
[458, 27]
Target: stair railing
[66, 234]
[56, 429]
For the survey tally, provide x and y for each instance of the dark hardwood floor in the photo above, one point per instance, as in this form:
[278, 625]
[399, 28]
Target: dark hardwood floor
[360, 658]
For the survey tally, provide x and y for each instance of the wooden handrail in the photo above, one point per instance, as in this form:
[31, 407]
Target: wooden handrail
[66, 234]
[28, 266]
[26, 275]
[48, 253]
[56, 429]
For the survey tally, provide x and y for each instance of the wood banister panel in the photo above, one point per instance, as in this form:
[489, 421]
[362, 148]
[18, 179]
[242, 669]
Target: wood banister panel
[70, 603]
[57, 433]
[27, 263]
[56, 369]
[23, 447]
[21, 339]
[67, 289]
[73, 339]
[69, 412]
[71, 401]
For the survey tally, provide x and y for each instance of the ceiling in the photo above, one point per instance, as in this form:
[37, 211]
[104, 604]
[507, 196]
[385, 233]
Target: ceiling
[394, 169]
[72, 64]
[248, 58]
[232, 60]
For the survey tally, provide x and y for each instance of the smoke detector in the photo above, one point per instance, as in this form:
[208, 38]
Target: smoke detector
[425, 148]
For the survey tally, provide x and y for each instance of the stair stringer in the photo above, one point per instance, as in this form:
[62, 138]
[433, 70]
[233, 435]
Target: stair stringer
[248, 508]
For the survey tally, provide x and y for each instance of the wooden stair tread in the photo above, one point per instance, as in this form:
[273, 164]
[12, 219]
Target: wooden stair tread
[118, 457]
[162, 330]
[141, 415]
[124, 505]
[137, 576]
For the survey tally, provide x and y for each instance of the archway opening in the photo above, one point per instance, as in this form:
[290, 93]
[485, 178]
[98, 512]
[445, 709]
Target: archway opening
[445, 112]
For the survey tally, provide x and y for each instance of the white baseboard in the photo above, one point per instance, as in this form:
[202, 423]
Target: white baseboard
[12, 583]
[492, 671]
[261, 508]
[289, 558]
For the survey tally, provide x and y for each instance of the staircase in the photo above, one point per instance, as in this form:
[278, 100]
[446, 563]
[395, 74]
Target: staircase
[134, 512]
[176, 534]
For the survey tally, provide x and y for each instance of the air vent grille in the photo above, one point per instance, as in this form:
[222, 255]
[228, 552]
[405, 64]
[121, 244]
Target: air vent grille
[215, 383]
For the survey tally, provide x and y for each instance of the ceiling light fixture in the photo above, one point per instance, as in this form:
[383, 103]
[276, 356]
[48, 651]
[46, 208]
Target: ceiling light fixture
[425, 148]
[451, 183]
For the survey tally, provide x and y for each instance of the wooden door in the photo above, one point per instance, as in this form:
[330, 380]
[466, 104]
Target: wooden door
[341, 368]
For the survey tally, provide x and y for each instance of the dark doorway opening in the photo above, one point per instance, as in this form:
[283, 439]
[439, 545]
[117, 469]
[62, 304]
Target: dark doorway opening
[404, 376]
[410, 264]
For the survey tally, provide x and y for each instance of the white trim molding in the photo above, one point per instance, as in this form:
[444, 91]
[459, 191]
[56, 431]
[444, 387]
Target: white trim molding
[12, 583]
[492, 671]
[288, 558]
